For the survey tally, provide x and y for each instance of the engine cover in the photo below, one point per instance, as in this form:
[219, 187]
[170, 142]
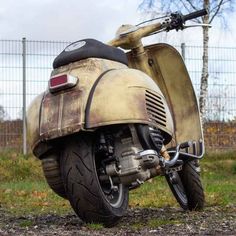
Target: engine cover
[135, 167]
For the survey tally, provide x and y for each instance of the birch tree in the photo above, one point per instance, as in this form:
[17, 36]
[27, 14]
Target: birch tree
[216, 9]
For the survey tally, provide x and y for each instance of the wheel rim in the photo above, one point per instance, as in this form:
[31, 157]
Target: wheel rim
[178, 188]
[113, 196]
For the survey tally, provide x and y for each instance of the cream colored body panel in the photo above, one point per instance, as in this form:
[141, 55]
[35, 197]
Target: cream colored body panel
[119, 97]
[32, 121]
[168, 70]
[63, 113]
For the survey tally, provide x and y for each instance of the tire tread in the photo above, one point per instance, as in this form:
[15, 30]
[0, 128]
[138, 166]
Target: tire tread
[193, 186]
[82, 184]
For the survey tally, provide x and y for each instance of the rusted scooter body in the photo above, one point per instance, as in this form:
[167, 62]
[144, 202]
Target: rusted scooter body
[109, 121]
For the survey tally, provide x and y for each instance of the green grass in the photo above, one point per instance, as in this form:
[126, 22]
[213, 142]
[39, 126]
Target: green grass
[93, 226]
[220, 155]
[26, 223]
[218, 178]
[23, 189]
[15, 167]
[31, 197]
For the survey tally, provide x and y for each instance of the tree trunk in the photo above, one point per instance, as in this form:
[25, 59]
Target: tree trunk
[204, 76]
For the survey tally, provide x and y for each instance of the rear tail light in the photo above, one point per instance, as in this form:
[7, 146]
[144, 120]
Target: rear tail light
[60, 82]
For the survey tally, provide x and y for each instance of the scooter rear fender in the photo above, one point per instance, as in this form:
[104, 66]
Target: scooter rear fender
[121, 95]
[128, 96]
[54, 115]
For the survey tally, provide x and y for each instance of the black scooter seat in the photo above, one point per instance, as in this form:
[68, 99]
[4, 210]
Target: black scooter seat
[89, 48]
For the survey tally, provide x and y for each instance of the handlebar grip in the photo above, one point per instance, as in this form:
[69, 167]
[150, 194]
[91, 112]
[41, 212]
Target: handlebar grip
[195, 14]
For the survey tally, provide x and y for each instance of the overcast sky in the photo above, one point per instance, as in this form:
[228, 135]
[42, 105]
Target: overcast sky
[71, 20]
[65, 19]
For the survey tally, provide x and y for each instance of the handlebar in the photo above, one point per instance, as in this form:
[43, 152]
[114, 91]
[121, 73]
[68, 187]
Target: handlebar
[177, 20]
[131, 38]
[195, 14]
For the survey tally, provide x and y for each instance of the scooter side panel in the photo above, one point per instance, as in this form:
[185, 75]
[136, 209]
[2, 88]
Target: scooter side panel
[122, 96]
[169, 72]
[61, 114]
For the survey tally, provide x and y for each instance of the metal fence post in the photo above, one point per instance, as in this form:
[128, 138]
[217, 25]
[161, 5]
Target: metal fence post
[183, 46]
[24, 94]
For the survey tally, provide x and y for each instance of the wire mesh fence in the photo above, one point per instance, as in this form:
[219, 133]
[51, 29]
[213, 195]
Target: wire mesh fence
[219, 130]
[220, 125]
[38, 58]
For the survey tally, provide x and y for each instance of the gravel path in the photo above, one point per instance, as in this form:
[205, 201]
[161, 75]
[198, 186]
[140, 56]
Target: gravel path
[158, 221]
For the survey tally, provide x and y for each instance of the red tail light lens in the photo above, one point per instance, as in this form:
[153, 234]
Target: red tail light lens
[60, 82]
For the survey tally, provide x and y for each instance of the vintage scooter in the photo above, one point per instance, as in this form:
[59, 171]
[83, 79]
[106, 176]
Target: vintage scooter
[110, 121]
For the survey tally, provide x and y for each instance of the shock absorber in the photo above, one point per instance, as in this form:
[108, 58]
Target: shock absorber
[150, 138]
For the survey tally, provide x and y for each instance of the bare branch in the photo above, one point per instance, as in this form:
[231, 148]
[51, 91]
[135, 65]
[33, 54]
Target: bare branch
[191, 4]
[185, 6]
[217, 10]
[147, 5]
[167, 8]
[216, 7]
[225, 24]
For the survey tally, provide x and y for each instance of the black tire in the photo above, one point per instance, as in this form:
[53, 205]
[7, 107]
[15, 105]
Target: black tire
[176, 186]
[52, 174]
[193, 186]
[187, 188]
[84, 190]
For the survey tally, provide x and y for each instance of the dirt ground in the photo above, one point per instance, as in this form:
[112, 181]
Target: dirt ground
[137, 221]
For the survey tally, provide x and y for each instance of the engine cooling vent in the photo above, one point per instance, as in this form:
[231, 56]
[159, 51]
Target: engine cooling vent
[155, 108]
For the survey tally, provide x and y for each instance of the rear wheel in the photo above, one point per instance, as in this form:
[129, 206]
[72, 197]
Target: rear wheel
[52, 173]
[93, 200]
[186, 187]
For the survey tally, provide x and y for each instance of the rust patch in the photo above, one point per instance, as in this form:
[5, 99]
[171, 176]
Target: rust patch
[50, 112]
[71, 112]
[61, 114]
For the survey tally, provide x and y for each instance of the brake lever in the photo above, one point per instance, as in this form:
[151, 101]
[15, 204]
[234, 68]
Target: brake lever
[197, 25]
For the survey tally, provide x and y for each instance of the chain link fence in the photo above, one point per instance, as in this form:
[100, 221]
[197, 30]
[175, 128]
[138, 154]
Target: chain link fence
[25, 68]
